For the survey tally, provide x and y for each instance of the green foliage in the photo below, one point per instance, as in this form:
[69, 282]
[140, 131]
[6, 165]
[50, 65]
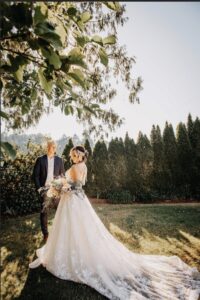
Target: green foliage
[145, 164]
[100, 168]
[18, 193]
[170, 159]
[51, 56]
[158, 174]
[184, 158]
[195, 143]
[65, 154]
[7, 148]
[89, 182]
[120, 196]
[117, 164]
[131, 162]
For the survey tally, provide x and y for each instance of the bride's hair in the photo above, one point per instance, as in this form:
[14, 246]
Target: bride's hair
[78, 152]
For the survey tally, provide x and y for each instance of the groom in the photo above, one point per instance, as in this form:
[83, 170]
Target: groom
[46, 168]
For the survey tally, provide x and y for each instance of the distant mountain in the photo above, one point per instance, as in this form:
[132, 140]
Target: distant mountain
[21, 140]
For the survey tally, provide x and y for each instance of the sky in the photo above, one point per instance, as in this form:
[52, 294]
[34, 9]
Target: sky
[164, 37]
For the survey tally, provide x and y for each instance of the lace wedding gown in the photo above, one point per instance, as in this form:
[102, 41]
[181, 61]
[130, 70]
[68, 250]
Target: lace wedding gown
[81, 249]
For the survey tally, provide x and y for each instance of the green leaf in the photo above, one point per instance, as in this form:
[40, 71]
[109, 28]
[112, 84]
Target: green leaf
[97, 39]
[82, 40]
[19, 74]
[34, 43]
[61, 85]
[78, 76]
[81, 25]
[52, 57]
[65, 65]
[25, 109]
[47, 32]
[44, 27]
[79, 111]
[46, 85]
[59, 28]
[86, 16]
[111, 39]
[68, 84]
[95, 105]
[89, 109]
[112, 5]
[76, 52]
[71, 11]
[34, 94]
[40, 13]
[75, 57]
[71, 110]
[103, 57]
[4, 115]
[8, 148]
[67, 110]
[53, 39]
[56, 102]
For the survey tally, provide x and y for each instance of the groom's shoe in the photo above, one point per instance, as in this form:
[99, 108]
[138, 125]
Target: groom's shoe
[45, 237]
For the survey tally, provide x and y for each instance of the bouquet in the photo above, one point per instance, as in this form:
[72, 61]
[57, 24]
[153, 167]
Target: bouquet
[53, 192]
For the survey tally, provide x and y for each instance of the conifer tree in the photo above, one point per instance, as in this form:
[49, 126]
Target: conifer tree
[100, 168]
[65, 154]
[89, 166]
[184, 160]
[190, 128]
[145, 164]
[195, 143]
[131, 164]
[117, 165]
[170, 159]
[157, 176]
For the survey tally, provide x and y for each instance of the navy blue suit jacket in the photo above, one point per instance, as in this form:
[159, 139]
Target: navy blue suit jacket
[41, 167]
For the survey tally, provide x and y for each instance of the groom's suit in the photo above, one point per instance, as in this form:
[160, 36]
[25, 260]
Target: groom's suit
[40, 172]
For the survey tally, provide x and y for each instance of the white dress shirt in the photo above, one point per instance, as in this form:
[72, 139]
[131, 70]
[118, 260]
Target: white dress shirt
[50, 170]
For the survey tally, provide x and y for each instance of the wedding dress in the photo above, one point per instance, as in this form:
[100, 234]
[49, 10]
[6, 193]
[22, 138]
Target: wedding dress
[81, 249]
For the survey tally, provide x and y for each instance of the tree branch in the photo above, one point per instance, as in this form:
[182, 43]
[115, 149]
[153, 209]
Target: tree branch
[28, 56]
[12, 37]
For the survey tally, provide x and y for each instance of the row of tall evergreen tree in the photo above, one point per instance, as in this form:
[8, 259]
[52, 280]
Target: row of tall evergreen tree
[164, 166]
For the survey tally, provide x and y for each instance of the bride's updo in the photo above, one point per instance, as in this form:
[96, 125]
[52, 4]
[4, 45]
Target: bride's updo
[78, 153]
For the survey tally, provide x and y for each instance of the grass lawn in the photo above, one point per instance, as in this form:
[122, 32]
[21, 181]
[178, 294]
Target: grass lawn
[149, 229]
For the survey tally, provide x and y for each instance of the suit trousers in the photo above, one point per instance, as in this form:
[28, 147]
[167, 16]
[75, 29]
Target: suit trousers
[44, 213]
[43, 216]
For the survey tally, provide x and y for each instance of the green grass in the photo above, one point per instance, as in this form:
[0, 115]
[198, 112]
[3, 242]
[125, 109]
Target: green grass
[148, 229]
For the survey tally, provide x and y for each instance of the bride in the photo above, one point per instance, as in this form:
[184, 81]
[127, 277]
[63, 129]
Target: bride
[81, 249]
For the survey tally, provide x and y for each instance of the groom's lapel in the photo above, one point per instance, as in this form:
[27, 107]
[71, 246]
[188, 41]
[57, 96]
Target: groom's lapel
[46, 162]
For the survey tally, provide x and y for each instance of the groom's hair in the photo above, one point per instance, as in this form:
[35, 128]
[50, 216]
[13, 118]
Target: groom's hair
[50, 142]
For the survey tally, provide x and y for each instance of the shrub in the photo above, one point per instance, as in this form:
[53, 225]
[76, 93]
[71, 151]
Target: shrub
[119, 196]
[18, 194]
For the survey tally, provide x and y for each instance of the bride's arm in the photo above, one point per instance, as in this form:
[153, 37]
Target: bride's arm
[70, 174]
[73, 173]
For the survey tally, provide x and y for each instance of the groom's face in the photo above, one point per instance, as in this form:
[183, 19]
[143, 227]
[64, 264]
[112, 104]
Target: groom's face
[51, 149]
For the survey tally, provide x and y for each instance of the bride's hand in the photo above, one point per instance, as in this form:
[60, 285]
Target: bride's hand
[63, 180]
[66, 187]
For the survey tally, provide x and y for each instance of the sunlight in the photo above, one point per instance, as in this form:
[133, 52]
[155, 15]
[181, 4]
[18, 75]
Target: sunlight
[4, 253]
[122, 235]
[30, 223]
[191, 238]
